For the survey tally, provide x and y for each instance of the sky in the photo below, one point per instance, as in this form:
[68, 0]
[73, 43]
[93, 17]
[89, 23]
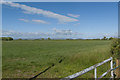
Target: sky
[63, 0]
[59, 19]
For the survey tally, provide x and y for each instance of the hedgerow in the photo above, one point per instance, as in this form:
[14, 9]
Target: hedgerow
[115, 48]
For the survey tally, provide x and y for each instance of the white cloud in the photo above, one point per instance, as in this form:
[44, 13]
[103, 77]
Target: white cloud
[32, 10]
[25, 20]
[73, 15]
[62, 32]
[40, 21]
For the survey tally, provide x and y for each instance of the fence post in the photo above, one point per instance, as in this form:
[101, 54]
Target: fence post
[118, 69]
[111, 65]
[95, 71]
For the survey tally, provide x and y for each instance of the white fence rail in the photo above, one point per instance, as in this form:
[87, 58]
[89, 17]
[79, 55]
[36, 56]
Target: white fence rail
[95, 70]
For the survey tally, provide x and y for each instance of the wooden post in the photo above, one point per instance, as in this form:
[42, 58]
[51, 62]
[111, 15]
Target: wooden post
[95, 72]
[111, 65]
[118, 69]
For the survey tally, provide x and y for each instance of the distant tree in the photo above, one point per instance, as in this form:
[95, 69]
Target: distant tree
[96, 39]
[87, 39]
[110, 38]
[19, 39]
[49, 38]
[3, 38]
[104, 38]
[10, 38]
[36, 39]
[67, 39]
[42, 39]
[7, 38]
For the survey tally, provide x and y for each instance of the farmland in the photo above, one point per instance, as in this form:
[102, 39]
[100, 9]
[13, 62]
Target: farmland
[27, 58]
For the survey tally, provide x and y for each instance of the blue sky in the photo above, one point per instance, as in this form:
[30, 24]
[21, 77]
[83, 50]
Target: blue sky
[60, 19]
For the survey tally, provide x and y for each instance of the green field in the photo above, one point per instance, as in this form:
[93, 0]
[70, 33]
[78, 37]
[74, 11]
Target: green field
[26, 58]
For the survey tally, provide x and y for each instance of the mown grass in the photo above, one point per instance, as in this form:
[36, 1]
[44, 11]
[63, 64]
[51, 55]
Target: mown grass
[26, 58]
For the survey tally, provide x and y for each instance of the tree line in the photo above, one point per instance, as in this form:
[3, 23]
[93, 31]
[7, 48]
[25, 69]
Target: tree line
[6, 38]
[10, 39]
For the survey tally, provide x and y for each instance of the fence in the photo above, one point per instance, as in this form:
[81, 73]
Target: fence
[95, 70]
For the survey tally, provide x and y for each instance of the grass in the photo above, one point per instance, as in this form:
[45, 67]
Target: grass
[26, 58]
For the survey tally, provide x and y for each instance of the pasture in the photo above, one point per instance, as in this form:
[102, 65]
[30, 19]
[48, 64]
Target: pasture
[27, 58]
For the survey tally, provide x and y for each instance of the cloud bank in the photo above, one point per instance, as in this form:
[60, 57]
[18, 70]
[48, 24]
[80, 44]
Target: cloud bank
[56, 34]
